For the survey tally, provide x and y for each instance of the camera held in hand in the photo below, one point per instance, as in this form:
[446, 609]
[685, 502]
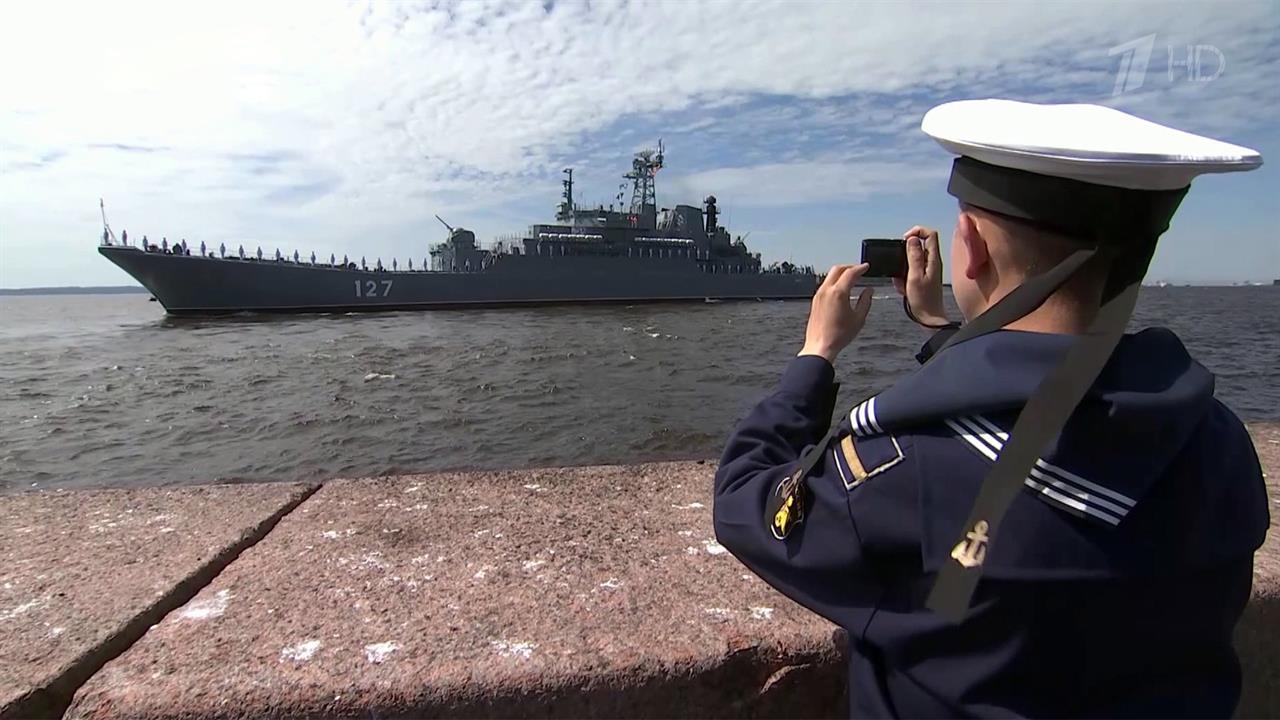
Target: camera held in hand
[886, 256]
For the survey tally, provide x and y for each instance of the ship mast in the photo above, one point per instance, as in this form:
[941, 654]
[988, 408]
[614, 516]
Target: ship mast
[107, 232]
[565, 212]
[644, 167]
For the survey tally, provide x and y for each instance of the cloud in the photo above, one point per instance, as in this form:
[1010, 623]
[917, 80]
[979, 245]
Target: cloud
[125, 148]
[334, 120]
[805, 183]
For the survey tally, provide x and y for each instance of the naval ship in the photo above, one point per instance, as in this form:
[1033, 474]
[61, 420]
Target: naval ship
[631, 254]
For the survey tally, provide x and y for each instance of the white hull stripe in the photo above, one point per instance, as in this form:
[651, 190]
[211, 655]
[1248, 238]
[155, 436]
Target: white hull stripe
[862, 418]
[1042, 480]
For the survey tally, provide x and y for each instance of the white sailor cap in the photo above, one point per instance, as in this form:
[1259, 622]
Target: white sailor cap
[1065, 165]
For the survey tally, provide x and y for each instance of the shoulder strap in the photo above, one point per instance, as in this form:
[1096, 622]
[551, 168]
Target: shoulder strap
[1044, 415]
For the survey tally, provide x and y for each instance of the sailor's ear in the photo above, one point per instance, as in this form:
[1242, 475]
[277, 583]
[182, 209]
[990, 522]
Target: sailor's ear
[974, 255]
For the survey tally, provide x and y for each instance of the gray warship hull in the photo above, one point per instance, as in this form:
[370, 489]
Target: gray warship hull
[202, 285]
[632, 254]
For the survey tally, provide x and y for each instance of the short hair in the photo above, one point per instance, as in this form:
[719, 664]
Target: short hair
[1036, 248]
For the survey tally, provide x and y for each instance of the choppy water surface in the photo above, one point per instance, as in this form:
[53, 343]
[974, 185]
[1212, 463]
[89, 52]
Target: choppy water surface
[106, 390]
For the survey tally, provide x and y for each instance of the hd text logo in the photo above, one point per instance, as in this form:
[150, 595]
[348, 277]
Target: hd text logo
[1186, 63]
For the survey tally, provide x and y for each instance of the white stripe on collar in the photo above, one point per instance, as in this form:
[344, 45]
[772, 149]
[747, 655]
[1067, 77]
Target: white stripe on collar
[1050, 482]
[862, 419]
[1062, 473]
[871, 415]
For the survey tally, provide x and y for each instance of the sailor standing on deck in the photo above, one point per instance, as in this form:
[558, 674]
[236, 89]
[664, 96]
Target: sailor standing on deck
[1049, 517]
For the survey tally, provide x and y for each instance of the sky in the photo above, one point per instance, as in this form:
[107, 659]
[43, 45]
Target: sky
[343, 127]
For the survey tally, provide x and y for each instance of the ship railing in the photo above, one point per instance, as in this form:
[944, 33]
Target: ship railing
[570, 237]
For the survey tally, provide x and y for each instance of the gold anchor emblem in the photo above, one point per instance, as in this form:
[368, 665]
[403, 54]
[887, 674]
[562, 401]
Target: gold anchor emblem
[971, 552]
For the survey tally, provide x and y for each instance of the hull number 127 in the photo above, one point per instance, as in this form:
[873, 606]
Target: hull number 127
[371, 288]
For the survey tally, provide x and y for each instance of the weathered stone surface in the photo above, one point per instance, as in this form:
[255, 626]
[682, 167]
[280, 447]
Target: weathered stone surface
[83, 574]
[1258, 635]
[586, 591]
[499, 594]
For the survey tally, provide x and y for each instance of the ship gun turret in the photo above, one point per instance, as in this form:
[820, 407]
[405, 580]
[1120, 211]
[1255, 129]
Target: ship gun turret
[459, 253]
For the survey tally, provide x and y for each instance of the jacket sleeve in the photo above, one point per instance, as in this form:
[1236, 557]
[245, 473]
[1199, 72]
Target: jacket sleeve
[817, 564]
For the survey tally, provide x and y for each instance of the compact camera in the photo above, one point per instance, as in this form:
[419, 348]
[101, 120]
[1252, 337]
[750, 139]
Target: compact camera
[887, 257]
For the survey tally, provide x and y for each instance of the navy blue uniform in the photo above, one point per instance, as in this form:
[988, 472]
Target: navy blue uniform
[1120, 571]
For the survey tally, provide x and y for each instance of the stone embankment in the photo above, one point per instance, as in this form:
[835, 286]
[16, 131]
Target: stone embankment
[560, 592]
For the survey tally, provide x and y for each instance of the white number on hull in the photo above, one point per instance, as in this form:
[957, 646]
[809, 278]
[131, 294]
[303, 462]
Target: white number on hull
[370, 288]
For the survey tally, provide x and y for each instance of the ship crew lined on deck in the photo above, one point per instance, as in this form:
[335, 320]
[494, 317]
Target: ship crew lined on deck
[1049, 517]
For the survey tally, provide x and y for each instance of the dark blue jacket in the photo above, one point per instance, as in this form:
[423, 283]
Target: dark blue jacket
[1118, 575]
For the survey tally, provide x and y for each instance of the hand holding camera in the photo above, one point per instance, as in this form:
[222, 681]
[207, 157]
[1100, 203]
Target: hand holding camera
[922, 286]
[915, 264]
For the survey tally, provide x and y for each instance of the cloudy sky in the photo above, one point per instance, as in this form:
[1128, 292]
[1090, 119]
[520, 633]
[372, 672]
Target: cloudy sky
[343, 126]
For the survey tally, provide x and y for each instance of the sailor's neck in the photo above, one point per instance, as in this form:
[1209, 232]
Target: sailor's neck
[1053, 319]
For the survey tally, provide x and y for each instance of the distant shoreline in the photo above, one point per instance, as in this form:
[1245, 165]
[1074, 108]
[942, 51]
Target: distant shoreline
[77, 290]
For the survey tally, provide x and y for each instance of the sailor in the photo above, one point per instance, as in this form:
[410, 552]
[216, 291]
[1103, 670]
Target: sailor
[185, 251]
[202, 252]
[378, 267]
[222, 249]
[363, 266]
[242, 252]
[345, 261]
[295, 256]
[410, 264]
[164, 244]
[393, 264]
[259, 252]
[333, 260]
[124, 237]
[313, 257]
[1049, 517]
[279, 257]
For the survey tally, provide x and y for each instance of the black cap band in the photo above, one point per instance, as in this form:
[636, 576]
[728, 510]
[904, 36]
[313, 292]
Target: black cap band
[1102, 214]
